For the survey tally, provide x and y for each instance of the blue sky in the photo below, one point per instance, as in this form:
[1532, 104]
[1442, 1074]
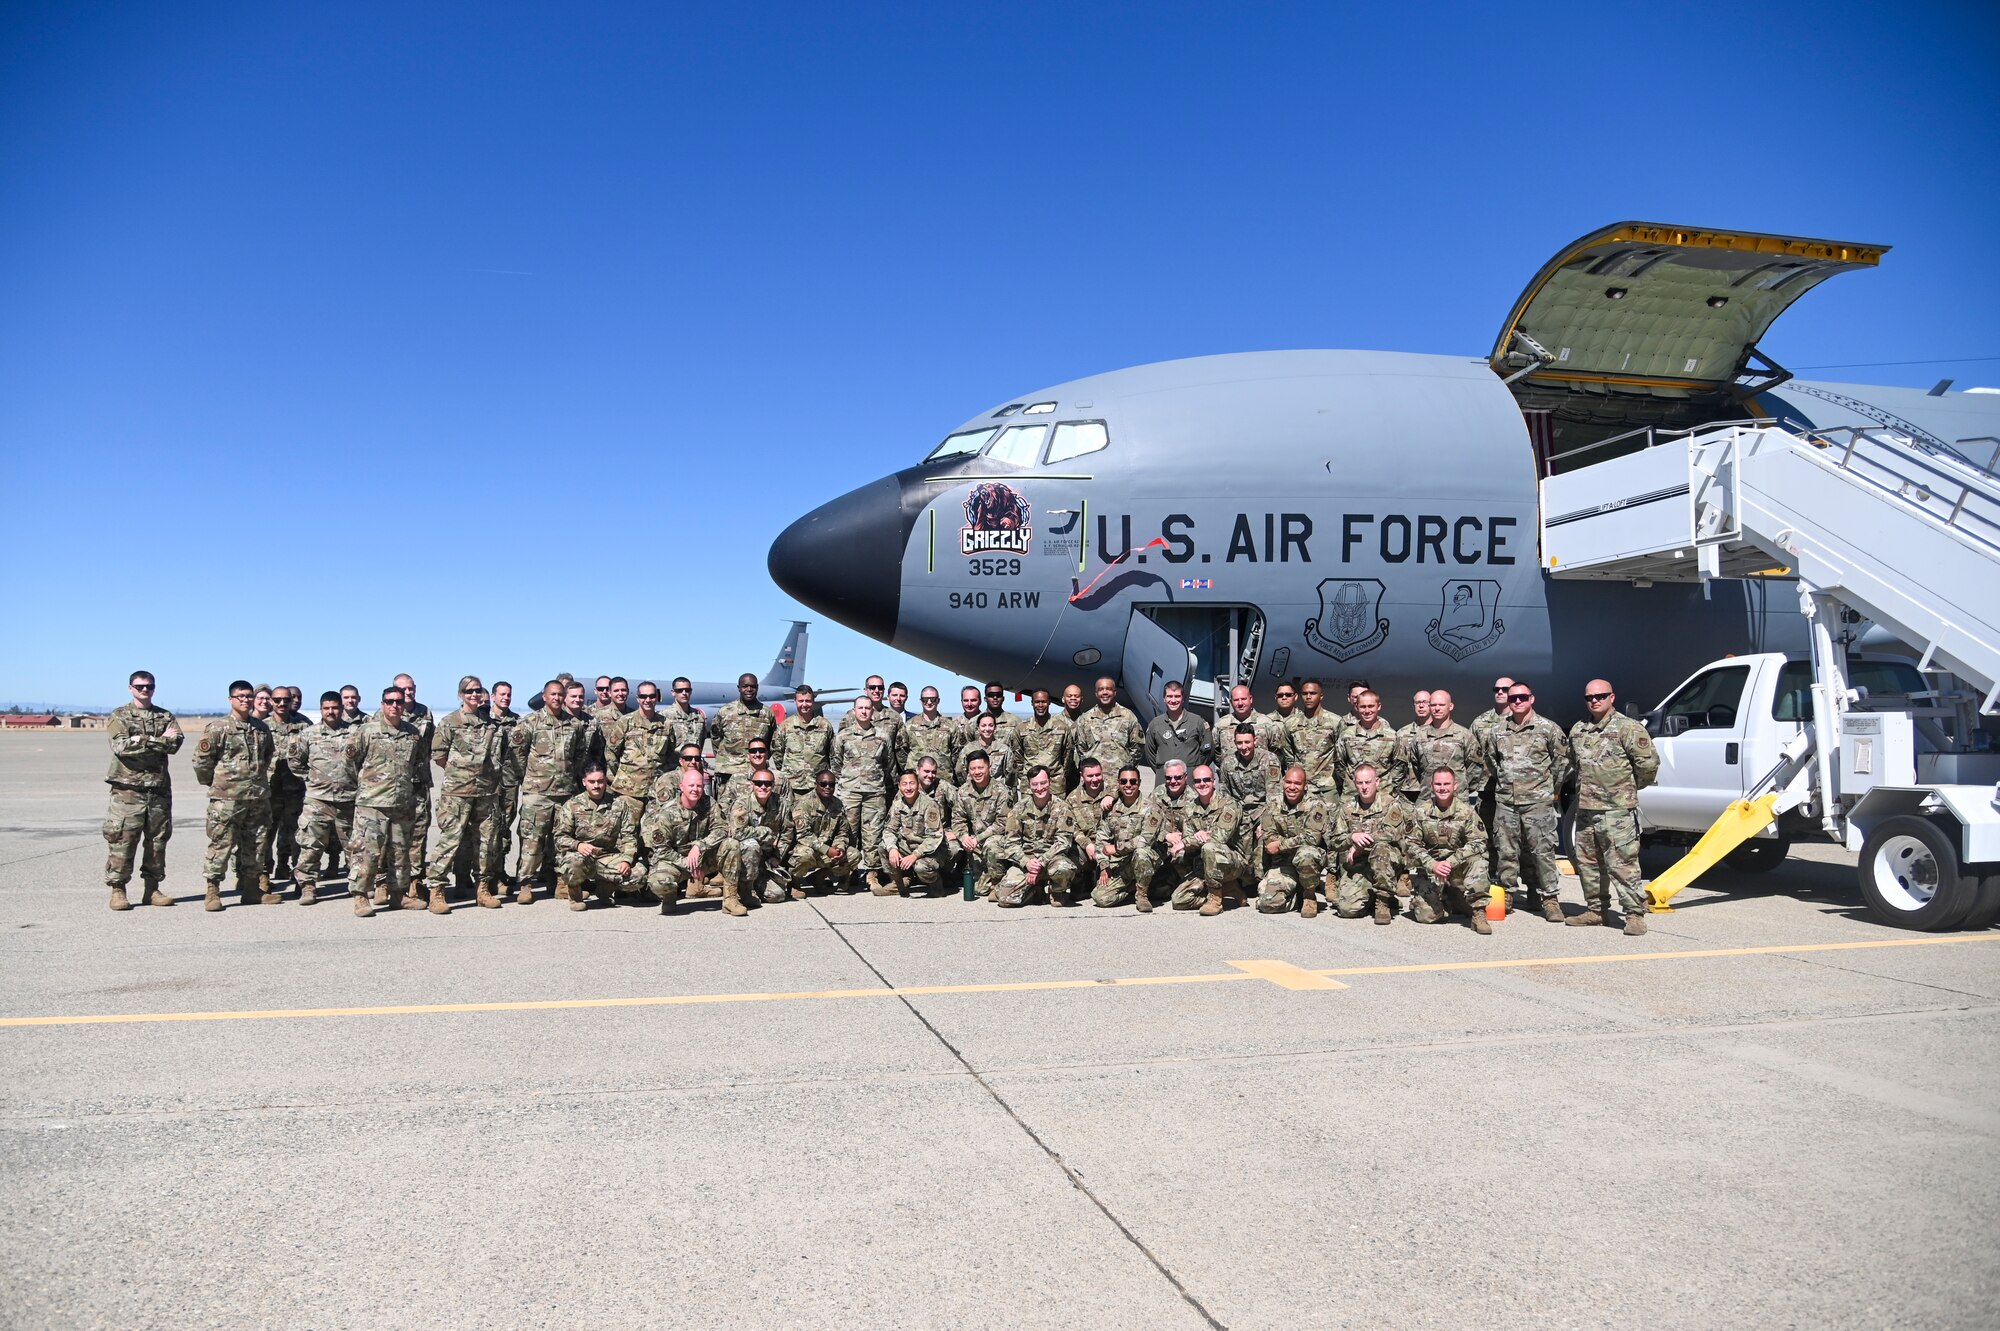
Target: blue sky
[336, 341]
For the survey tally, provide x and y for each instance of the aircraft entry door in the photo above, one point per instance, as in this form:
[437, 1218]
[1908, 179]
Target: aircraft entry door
[1152, 657]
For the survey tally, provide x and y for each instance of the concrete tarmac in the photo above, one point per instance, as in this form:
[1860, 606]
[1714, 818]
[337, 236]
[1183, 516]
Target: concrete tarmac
[1780, 1133]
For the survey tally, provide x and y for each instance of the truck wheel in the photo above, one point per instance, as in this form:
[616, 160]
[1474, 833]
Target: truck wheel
[1986, 903]
[1760, 855]
[1910, 876]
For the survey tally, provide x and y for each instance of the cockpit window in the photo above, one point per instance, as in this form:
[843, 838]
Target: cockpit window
[1075, 438]
[1007, 410]
[1039, 409]
[962, 444]
[1019, 445]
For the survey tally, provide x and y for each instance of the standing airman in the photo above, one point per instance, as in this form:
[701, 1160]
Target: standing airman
[233, 759]
[386, 760]
[140, 820]
[1615, 760]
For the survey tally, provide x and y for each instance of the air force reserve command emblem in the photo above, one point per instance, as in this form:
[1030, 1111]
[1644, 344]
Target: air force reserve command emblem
[1468, 618]
[1350, 618]
[996, 520]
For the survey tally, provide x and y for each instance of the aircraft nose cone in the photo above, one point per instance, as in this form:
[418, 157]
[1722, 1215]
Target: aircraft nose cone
[844, 559]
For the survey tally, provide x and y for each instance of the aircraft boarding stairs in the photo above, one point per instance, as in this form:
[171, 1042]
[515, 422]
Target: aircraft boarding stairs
[1874, 523]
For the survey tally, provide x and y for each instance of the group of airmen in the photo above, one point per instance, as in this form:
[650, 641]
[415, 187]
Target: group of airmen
[660, 802]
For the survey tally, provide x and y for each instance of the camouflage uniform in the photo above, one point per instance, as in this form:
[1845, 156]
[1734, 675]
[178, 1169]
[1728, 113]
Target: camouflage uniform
[469, 745]
[922, 738]
[507, 794]
[636, 752]
[1313, 742]
[141, 815]
[324, 754]
[1368, 880]
[1086, 811]
[1409, 785]
[611, 825]
[819, 828]
[1004, 723]
[233, 759]
[736, 724]
[1116, 838]
[891, 726]
[1216, 864]
[386, 763]
[688, 725]
[550, 749]
[1530, 765]
[1450, 745]
[671, 830]
[1374, 746]
[1455, 836]
[1153, 866]
[915, 827]
[288, 795]
[756, 844]
[1615, 760]
[1043, 744]
[1114, 738]
[799, 750]
[1274, 733]
[861, 779]
[1041, 833]
[1290, 876]
[999, 762]
[981, 815]
[420, 719]
[1250, 784]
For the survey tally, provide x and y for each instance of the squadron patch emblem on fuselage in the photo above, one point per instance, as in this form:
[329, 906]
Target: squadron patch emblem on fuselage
[1350, 621]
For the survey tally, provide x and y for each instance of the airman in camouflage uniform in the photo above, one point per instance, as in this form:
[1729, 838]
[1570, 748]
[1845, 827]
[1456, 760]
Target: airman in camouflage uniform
[1315, 731]
[1115, 844]
[1042, 740]
[1039, 848]
[986, 739]
[288, 785]
[466, 745]
[861, 777]
[931, 782]
[929, 734]
[819, 853]
[1291, 848]
[321, 752]
[386, 760]
[913, 835]
[888, 719]
[1615, 760]
[683, 838]
[233, 759]
[638, 746]
[1446, 849]
[1004, 721]
[1249, 774]
[1409, 781]
[1274, 728]
[425, 724]
[968, 721]
[597, 841]
[507, 796]
[736, 724]
[1442, 742]
[1367, 739]
[1087, 805]
[550, 747]
[688, 722]
[1203, 851]
[140, 820]
[979, 823]
[1155, 864]
[1531, 763]
[755, 846]
[1109, 732]
[1365, 847]
[803, 744]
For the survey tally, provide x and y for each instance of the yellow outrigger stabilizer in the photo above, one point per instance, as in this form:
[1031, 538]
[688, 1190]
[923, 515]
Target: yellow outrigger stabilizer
[1742, 820]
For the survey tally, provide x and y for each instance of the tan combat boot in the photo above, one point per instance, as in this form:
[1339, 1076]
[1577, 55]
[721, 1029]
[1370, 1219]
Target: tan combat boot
[1480, 924]
[270, 898]
[1309, 907]
[879, 887]
[439, 906]
[732, 904]
[362, 906]
[1384, 912]
[1635, 924]
[381, 894]
[562, 890]
[524, 895]
[155, 897]
[703, 889]
[410, 901]
[1552, 911]
[308, 894]
[1142, 900]
[211, 896]
[578, 897]
[487, 898]
[119, 900]
[1590, 916]
[1213, 905]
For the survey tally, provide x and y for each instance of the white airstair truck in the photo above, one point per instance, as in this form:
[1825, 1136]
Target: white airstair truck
[1876, 525]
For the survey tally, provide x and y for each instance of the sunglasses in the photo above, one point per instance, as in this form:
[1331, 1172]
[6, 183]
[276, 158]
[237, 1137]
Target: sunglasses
[761, 785]
[1204, 781]
[143, 688]
[1127, 781]
[683, 690]
[690, 757]
[1520, 697]
[1595, 697]
[649, 697]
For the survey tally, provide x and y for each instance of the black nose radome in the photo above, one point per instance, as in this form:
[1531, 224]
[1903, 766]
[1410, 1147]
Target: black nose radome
[844, 559]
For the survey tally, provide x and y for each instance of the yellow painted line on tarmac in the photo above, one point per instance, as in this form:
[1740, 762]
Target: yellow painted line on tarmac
[1280, 973]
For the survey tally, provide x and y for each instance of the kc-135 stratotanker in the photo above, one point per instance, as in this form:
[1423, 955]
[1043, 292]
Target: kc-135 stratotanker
[1357, 514]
